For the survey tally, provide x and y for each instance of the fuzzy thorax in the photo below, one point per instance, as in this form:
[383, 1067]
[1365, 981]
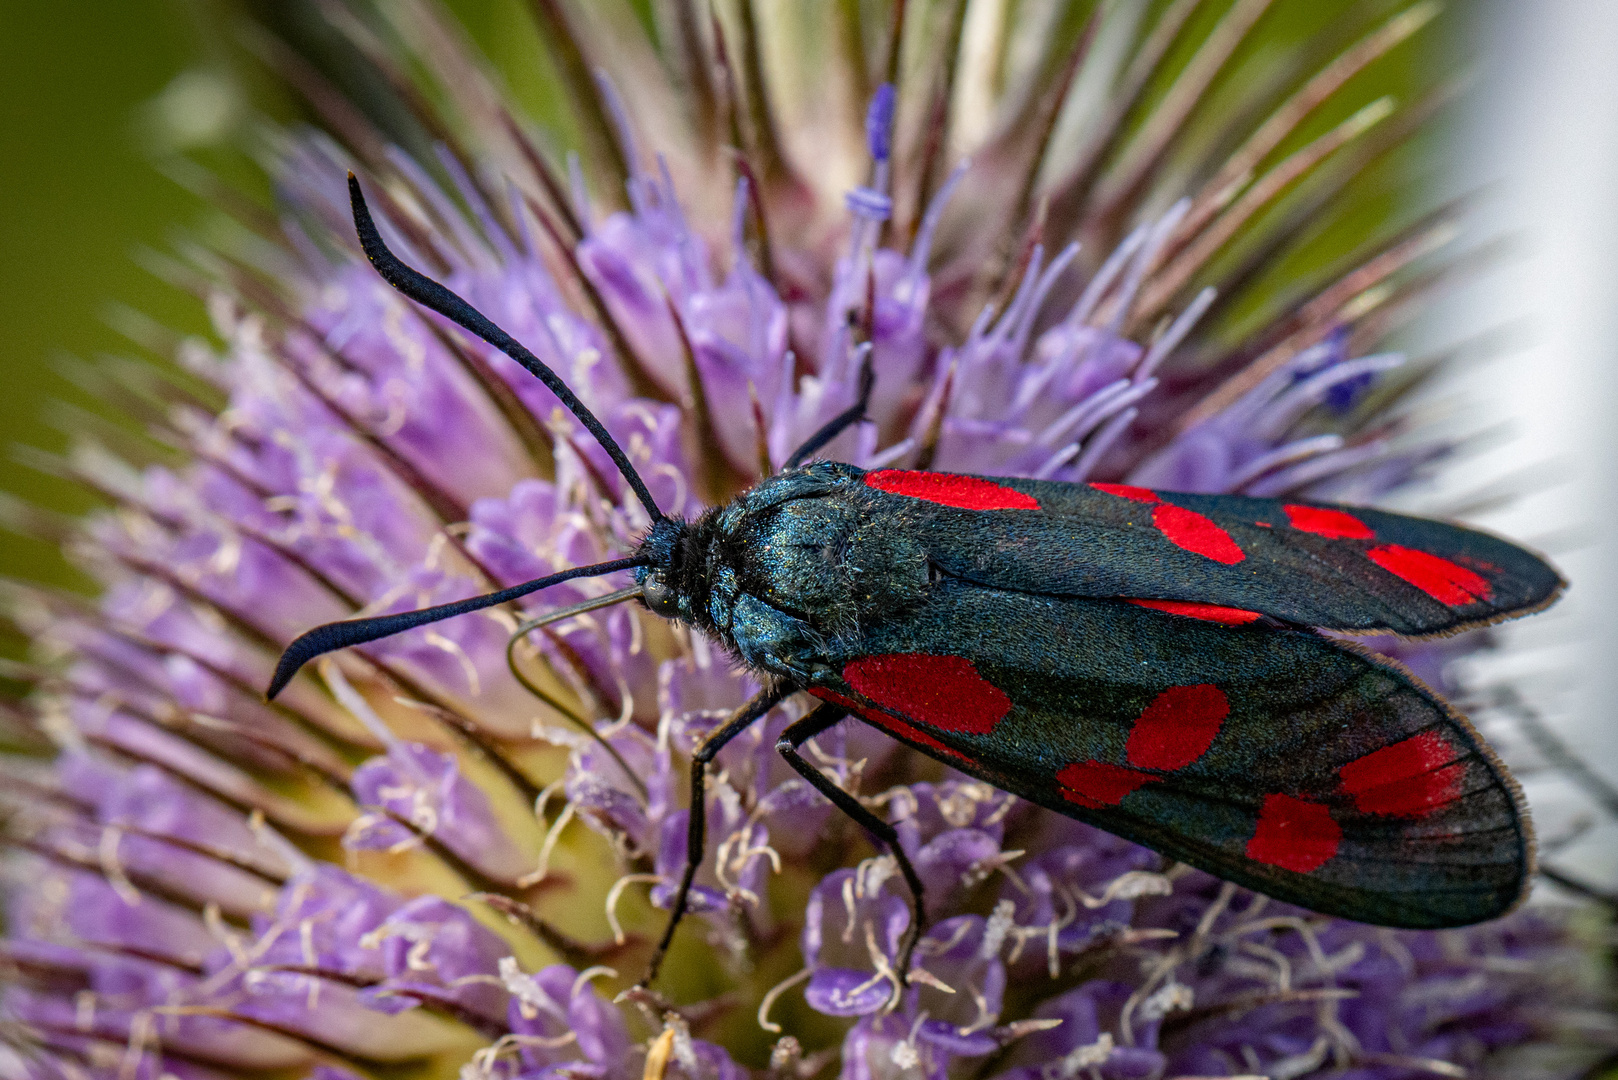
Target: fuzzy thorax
[786, 569]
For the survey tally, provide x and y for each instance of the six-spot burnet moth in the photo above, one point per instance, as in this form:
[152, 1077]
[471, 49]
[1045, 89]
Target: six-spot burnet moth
[1149, 662]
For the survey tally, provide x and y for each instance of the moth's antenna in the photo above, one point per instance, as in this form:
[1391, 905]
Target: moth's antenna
[429, 293]
[340, 635]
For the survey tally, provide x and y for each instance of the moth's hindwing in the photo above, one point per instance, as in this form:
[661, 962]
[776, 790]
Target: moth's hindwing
[1274, 758]
[1341, 568]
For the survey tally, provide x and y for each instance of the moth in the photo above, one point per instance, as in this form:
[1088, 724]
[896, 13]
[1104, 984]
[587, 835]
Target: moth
[1148, 662]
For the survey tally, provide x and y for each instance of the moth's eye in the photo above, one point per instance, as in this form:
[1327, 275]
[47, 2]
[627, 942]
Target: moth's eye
[659, 597]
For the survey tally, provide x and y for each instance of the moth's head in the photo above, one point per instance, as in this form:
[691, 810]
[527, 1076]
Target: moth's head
[657, 579]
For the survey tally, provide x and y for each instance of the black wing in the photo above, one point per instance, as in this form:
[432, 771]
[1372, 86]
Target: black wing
[1274, 758]
[1212, 556]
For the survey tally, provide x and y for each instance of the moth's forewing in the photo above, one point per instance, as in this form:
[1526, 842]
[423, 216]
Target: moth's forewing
[1311, 565]
[1274, 758]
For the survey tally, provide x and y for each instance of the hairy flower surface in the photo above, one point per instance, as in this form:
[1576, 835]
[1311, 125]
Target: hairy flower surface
[1051, 237]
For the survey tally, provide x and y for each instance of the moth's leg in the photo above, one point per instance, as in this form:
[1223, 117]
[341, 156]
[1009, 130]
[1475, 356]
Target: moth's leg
[839, 423]
[695, 838]
[823, 718]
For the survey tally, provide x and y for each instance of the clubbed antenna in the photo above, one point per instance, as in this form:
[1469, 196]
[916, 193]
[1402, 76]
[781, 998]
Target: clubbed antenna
[429, 293]
[340, 635]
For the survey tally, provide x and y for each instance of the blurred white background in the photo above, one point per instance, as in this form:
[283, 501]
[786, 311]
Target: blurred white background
[1541, 137]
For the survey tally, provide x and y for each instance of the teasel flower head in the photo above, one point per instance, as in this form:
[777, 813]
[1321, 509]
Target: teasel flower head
[1089, 242]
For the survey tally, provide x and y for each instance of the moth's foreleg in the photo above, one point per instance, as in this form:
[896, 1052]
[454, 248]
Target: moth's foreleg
[822, 719]
[696, 838]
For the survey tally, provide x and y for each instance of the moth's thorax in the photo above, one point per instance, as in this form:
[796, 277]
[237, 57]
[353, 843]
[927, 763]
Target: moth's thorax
[784, 571]
[831, 562]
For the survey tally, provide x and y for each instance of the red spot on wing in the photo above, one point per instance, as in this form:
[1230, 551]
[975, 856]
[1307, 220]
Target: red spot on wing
[944, 692]
[916, 735]
[1195, 533]
[891, 724]
[1478, 564]
[1177, 727]
[1331, 523]
[1408, 779]
[1096, 784]
[1229, 616]
[836, 699]
[947, 489]
[1444, 581]
[1128, 491]
[1294, 834]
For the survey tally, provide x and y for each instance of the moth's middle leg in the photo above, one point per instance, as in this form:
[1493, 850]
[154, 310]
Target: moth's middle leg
[696, 827]
[822, 719]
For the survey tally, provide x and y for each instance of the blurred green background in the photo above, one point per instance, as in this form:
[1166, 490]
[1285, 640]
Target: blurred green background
[78, 198]
[80, 84]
